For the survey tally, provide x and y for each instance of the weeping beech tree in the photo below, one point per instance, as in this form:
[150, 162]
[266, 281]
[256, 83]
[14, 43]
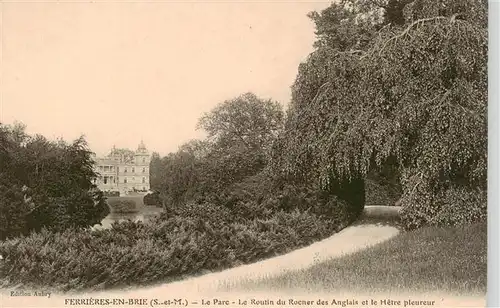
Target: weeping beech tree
[414, 95]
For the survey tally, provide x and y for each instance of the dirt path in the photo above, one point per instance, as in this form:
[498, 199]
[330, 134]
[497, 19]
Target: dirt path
[377, 224]
[347, 241]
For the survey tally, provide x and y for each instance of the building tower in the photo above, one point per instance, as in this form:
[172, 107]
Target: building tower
[142, 159]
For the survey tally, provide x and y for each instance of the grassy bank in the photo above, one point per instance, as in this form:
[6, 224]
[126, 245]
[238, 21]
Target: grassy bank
[451, 260]
[138, 200]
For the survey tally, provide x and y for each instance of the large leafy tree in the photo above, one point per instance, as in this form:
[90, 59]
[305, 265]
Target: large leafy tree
[246, 121]
[46, 184]
[414, 94]
[240, 134]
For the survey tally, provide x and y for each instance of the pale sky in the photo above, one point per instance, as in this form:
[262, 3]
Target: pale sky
[119, 72]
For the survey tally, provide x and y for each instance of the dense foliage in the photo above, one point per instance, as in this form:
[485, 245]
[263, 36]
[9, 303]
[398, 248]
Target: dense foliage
[184, 241]
[240, 134]
[231, 167]
[45, 184]
[152, 198]
[247, 120]
[223, 207]
[382, 185]
[411, 93]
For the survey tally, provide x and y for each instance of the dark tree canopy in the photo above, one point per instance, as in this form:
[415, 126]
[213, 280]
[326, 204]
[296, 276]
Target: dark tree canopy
[246, 120]
[416, 94]
[46, 184]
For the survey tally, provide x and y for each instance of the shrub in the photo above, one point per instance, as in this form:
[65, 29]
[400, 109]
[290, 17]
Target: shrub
[450, 207]
[204, 211]
[183, 241]
[123, 206]
[249, 210]
[152, 199]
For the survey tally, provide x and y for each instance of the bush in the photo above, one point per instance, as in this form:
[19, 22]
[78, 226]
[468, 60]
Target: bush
[451, 207]
[123, 206]
[204, 211]
[460, 206]
[152, 199]
[183, 241]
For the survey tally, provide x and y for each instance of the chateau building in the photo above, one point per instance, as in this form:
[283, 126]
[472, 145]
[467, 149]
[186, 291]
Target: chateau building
[124, 171]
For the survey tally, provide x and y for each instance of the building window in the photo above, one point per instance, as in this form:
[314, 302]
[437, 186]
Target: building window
[125, 170]
[143, 170]
[105, 180]
[125, 180]
[117, 169]
[144, 180]
[133, 169]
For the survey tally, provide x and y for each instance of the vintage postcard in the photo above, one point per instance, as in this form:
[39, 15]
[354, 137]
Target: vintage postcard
[244, 153]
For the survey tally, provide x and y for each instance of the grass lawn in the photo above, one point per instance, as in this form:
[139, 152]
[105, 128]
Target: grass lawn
[451, 260]
[139, 200]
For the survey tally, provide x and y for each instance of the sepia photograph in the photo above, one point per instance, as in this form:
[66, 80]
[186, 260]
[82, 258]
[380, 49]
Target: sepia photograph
[244, 153]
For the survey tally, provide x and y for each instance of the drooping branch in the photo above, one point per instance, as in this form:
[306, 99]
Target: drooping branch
[413, 24]
[406, 32]
[320, 91]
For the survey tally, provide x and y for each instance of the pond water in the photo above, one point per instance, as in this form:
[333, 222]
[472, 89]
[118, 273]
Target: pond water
[144, 214]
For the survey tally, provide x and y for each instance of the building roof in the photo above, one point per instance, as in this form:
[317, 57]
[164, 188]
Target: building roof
[122, 155]
[142, 148]
[106, 160]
